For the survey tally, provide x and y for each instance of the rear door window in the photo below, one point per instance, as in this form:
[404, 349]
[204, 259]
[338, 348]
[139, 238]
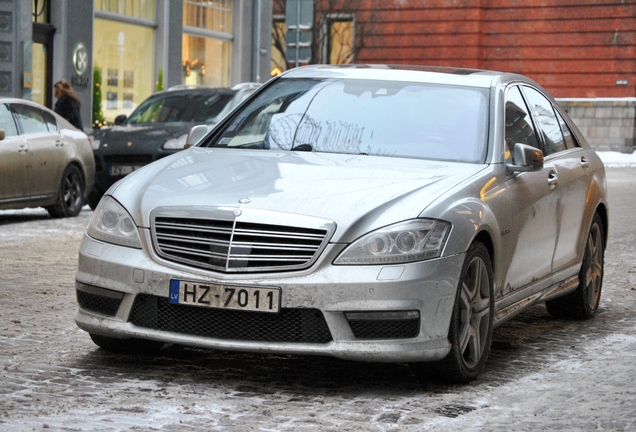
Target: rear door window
[31, 119]
[547, 121]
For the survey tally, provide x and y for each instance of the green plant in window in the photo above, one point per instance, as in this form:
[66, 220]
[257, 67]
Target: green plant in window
[98, 115]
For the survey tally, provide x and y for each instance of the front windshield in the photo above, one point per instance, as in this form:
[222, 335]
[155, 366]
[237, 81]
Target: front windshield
[384, 118]
[191, 108]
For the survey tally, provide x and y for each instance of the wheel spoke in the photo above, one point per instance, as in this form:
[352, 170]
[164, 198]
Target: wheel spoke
[474, 312]
[594, 271]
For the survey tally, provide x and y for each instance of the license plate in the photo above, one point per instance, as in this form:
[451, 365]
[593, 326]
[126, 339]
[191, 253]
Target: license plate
[120, 170]
[224, 296]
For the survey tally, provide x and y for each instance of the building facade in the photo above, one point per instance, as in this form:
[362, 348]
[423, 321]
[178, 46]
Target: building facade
[134, 47]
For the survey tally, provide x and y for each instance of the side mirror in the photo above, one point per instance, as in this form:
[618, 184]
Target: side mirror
[196, 134]
[120, 119]
[1, 134]
[527, 158]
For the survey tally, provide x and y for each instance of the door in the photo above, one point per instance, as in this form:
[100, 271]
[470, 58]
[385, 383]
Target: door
[14, 158]
[535, 204]
[42, 84]
[573, 181]
[47, 153]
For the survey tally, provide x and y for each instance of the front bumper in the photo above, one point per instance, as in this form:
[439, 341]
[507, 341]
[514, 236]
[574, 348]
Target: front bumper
[115, 283]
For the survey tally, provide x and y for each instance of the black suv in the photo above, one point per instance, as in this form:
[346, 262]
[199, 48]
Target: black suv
[157, 128]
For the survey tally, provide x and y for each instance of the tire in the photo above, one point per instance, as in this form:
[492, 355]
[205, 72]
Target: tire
[471, 325]
[94, 196]
[70, 198]
[126, 346]
[583, 302]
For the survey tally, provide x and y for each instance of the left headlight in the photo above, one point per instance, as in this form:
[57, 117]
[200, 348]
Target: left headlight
[409, 241]
[113, 224]
[175, 143]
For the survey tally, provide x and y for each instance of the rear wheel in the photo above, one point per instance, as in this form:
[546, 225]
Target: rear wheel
[583, 302]
[70, 198]
[127, 346]
[470, 331]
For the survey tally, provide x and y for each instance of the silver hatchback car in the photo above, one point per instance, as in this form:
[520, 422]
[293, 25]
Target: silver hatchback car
[372, 213]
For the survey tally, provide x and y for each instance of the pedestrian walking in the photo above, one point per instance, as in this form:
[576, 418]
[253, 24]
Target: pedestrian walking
[68, 104]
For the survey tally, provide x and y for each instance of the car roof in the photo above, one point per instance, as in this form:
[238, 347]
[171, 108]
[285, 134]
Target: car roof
[407, 73]
[189, 88]
[23, 101]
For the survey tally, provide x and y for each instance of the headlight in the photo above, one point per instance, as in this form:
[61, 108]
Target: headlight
[112, 223]
[175, 143]
[94, 143]
[413, 240]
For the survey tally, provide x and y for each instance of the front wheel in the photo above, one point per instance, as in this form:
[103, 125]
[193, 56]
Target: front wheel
[70, 196]
[583, 302]
[470, 331]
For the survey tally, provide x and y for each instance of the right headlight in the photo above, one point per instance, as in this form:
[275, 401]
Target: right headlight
[113, 224]
[409, 241]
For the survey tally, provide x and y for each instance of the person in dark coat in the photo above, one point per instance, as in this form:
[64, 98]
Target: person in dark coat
[68, 103]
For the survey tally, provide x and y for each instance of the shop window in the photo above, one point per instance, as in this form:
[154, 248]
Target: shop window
[207, 42]
[144, 9]
[339, 40]
[40, 11]
[122, 53]
[206, 61]
[214, 15]
[279, 64]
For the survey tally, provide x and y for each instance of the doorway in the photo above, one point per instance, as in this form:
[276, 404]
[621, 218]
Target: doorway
[41, 90]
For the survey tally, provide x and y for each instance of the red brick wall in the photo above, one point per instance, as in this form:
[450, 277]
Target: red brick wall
[574, 48]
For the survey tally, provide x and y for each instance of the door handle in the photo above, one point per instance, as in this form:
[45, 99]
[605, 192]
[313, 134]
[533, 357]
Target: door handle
[585, 163]
[59, 143]
[553, 179]
[23, 148]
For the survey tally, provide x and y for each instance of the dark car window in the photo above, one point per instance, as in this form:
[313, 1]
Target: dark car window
[548, 123]
[180, 107]
[519, 127]
[401, 119]
[31, 119]
[570, 141]
[7, 122]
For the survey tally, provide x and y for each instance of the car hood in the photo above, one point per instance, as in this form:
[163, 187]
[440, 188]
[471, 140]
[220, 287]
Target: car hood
[149, 134]
[358, 193]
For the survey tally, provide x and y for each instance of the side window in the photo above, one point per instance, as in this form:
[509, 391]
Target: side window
[570, 142]
[51, 123]
[548, 123]
[6, 121]
[31, 119]
[519, 128]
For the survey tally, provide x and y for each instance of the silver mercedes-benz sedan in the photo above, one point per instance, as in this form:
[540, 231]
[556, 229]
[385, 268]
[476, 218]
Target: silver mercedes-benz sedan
[372, 213]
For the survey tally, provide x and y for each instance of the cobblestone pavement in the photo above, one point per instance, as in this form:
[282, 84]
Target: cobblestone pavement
[543, 374]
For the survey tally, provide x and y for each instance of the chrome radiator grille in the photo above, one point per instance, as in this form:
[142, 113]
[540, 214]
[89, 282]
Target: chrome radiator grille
[234, 246]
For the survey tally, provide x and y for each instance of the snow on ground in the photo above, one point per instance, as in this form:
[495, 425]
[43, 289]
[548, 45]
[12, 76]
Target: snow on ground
[618, 160]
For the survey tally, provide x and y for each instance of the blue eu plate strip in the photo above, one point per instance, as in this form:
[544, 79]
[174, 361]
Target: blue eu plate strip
[174, 291]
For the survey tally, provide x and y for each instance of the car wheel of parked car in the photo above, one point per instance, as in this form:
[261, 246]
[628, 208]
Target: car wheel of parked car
[70, 196]
[470, 331]
[129, 346]
[583, 302]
